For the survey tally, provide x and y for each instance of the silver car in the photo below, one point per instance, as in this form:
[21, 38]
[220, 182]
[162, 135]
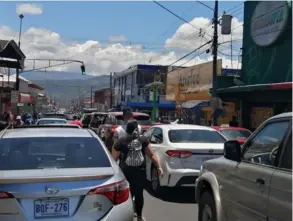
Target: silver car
[44, 121]
[60, 173]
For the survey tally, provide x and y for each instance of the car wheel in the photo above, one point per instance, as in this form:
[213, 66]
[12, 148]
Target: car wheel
[155, 181]
[207, 208]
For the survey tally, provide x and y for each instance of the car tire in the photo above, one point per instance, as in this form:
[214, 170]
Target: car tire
[207, 207]
[155, 181]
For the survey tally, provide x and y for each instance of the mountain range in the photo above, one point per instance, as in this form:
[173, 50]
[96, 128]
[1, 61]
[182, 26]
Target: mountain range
[65, 86]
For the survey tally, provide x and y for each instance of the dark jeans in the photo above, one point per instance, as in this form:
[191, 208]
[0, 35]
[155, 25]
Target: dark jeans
[137, 178]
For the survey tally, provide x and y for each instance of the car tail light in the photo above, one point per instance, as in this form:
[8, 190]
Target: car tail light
[5, 195]
[179, 153]
[116, 192]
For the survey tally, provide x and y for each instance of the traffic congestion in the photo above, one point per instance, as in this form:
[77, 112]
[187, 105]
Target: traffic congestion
[64, 167]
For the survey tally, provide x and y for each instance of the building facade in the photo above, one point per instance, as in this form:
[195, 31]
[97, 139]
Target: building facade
[129, 90]
[102, 99]
[266, 63]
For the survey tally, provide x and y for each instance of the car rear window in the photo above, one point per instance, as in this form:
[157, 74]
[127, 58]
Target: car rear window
[42, 122]
[52, 152]
[61, 116]
[141, 119]
[195, 136]
[235, 134]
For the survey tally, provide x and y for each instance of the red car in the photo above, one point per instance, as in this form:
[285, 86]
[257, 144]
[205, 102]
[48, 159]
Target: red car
[234, 133]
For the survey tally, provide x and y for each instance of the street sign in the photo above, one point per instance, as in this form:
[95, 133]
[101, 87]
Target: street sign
[14, 97]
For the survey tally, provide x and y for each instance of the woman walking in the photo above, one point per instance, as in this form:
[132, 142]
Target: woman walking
[134, 150]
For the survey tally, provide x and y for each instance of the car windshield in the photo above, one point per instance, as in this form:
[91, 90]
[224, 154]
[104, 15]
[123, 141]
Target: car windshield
[51, 152]
[195, 136]
[235, 134]
[42, 122]
[141, 119]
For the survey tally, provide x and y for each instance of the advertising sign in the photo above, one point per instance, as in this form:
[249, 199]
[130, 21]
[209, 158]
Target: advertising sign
[268, 21]
[14, 97]
[191, 83]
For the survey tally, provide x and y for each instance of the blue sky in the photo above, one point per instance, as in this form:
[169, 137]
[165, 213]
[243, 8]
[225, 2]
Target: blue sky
[141, 22]
[81, 31]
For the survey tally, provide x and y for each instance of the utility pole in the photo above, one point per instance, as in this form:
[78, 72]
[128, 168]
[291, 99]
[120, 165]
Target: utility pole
[215, 58]
[111, 90]
[215, 49]
[91, 96]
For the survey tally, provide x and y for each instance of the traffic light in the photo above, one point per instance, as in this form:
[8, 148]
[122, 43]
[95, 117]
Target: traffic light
[82, 67]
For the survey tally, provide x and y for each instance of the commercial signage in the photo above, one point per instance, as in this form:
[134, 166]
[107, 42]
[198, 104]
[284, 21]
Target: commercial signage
[268, 21]
[14, 97]
[191, 83]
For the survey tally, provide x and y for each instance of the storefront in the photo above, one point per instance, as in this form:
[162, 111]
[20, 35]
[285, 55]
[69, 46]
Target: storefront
[190, 89]
[266, 63]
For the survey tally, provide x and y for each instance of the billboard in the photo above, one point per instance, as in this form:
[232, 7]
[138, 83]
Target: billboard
[191, 83]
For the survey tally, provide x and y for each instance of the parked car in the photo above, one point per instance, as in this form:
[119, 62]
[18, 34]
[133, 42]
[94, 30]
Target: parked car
[60, 172]
[181, 150]
[115, 119]
[234, 133]
[252, 182]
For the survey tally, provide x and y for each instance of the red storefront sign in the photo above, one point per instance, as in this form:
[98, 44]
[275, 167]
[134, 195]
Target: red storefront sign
[25, 98]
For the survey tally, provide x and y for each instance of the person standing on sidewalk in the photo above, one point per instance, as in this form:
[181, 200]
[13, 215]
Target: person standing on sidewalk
[135, 148]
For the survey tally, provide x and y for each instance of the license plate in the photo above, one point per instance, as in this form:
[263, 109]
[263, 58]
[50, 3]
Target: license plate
[51, 207]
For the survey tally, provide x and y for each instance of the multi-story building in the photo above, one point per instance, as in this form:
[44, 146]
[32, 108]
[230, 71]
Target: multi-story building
[102, 99]
[129, 89]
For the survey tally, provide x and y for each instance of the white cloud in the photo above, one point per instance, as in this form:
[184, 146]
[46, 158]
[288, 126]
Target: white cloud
[29, 9]
[119, 38]
[105, 58]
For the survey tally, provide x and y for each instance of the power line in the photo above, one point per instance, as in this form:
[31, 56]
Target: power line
[236, 6]
[179, 17]
[191, 52]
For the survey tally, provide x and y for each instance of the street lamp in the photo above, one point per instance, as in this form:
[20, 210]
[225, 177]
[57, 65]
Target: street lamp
[21, 16]
[154, 86]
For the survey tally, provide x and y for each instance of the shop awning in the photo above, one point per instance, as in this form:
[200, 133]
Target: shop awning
[150, 105]
[247, 88]
[25, 98]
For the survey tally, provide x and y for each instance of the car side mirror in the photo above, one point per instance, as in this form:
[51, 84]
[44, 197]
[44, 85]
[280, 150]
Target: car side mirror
[232, 150]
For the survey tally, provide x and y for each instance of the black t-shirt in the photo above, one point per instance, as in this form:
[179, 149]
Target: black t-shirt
[133, 151]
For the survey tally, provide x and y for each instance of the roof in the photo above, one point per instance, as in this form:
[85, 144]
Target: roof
[134, 113]
[9, 49]
[51, 119]
[228, 128]
[184, 127]
[288, 114]
[46, 132]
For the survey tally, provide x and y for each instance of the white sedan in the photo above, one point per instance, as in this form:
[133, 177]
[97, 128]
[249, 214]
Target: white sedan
[181, 149]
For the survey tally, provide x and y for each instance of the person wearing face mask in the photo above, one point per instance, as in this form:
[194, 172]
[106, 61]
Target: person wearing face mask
[134, 149]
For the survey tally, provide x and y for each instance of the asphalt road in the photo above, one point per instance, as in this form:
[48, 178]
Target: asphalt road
[173, 205]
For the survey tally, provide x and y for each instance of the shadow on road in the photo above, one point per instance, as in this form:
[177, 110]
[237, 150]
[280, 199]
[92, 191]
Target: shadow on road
[175, 195]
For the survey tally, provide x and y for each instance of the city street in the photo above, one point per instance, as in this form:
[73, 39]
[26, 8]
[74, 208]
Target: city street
[175, 205]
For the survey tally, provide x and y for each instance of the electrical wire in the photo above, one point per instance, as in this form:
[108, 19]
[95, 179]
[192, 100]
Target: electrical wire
[191, 52]
[179, 17]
